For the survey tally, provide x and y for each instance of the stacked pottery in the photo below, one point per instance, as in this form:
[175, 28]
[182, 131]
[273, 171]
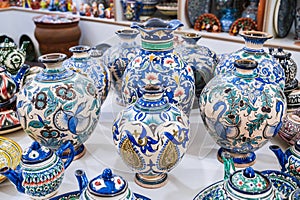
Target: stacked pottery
[119, 56]
[59, 105]
[268, 68]
[151, 137]
[82, 62]
[201, 59]
[290, 130]
[242, 111]
[157, 63]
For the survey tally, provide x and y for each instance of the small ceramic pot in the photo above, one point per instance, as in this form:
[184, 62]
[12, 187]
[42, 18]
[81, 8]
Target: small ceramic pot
[290, 130]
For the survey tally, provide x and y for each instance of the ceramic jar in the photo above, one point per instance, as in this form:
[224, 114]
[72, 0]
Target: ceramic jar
[289, 66]
[119, 56]
[293, 100]
[59, 105]
[151, 137]
[132, 9]
[289, 160]
[41, 170]
[201, 59]
[290, 130]
[241, 111]
[82, 62]
[12, 57]
[157, 63]
[268, 68]
[104, 186]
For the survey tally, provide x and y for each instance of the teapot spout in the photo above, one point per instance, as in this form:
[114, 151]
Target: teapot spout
[281, 157]
[18, 78]
[24, 46]
[14, 177]
[81, 179]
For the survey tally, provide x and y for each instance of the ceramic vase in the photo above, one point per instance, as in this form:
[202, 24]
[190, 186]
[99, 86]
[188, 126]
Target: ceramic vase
[157, 63]
[227, 19]
[201, 59]
[242, 112]
[290, 130]
[118, 57]
[132, 9]
[151, 137]
[268, 68]
[59, 105]
[82, 62]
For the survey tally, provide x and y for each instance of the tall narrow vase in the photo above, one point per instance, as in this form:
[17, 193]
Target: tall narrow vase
[158, 64]
[59, 105]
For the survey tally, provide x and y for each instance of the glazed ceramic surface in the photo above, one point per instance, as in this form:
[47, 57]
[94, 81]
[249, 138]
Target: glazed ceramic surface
[268, 68]
[82, 62]
[293, 99]
[290, 130]
[241, 112]
[59, 105]
[195, 8]
[119, 56]
[201, 59]
[132, 9]
[158, 64]
[41, 170]
[151, 137]
[10, 154]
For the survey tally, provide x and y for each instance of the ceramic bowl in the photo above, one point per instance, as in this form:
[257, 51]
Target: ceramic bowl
[169, 9]
[10, 154]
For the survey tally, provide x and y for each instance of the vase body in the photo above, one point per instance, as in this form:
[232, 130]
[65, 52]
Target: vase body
[59, 105]
[119, 56]
[82, 62]
[151, 136]
[201, 59]
[157, 63]
[242, 112]
[268, 68]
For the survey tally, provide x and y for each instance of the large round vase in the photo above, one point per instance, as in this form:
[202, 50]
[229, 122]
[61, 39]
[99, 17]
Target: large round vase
[157, 63]
[117, 58]
[59, 105]
[242, 112]
[151, 136]
[268, 68]
[82, 62]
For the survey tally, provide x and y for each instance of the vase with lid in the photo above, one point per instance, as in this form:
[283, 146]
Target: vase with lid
[241, 111]
[119, 56]
[82, 62]
[268, 68]
[151, 137]
[157, 63]
[201, 59]
[59, 105]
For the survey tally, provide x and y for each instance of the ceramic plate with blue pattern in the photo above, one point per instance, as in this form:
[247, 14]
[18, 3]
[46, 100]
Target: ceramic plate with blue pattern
[211, 192]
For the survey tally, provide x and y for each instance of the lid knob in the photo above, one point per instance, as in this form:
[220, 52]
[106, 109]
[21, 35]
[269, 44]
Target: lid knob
[107, 174]
[249, 172]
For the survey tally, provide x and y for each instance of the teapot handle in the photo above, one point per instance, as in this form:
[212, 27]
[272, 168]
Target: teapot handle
[67, 145]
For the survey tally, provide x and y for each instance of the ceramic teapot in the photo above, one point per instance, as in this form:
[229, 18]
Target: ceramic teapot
[105, 186]
[240, 185]
[41, 170]
[290, 159]
[12, 57]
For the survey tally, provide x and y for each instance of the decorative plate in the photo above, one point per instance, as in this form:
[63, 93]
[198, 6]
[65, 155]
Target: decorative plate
[284, 15]
[210, 192]
[195, 8]
[76, 194]
[168, 9]
[244, 23]
[10, 154]
[283, 182]
[208, 22]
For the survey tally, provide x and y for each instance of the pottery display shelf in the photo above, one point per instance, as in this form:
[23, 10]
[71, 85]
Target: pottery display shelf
[198, 169]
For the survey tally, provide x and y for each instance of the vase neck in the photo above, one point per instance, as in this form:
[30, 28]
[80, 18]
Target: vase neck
[254, 40]
[245, 68]
[80, 55]
[158, 45]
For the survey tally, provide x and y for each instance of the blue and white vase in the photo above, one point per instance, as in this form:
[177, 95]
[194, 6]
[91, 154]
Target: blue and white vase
[227, 19]
[119, 56]
[157, 63]
[151, 137]
[242, 111]
[268, 68]
[82, 62]
[59, 105]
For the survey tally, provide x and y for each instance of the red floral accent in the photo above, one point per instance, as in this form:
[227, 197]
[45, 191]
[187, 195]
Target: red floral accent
[240, 182]
[259, 184]
[179, 93]
[169, 61]
[97, 183]
[292, 167]
[119, 181]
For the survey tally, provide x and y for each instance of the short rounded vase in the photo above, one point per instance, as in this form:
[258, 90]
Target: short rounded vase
[151, 137]
[59, 105]
[290, 130]
[157, 63]
[82, 62]
[242, 112]
[268, 68]
[118, 57]
[41, 170]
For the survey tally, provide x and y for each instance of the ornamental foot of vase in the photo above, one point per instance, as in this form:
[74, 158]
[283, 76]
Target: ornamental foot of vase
[239, 160]
[78, 152]
[151, 182]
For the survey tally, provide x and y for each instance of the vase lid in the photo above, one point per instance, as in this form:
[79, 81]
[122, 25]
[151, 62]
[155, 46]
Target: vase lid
[36, 154]
[107, 184]
[8, 44]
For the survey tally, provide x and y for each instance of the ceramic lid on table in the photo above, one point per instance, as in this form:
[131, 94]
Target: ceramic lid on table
[36, 154]
[7, 44]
